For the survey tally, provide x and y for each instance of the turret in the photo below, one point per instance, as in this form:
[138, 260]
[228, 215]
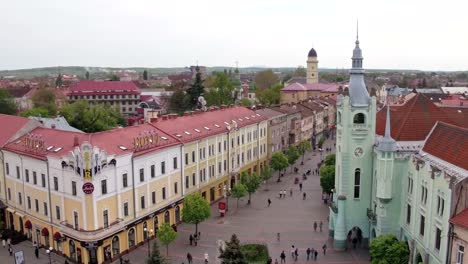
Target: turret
[357, 88]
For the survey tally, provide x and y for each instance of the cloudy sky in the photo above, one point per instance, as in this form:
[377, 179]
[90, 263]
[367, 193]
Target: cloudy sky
[397, 34]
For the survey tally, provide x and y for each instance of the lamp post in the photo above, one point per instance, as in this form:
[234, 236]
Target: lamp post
[48, 251]
[226, 194]
[148, 232]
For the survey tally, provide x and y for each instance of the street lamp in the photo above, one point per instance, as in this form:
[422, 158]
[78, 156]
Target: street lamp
[48, 251]
[227, 192]
[149, 238]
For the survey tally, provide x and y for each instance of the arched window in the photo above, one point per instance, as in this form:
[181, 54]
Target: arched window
[359, 118]
[115, 246]
[167, 218]
[131, 237]
[177, 214]
[357, 183]
[72, 249]
[155, 223]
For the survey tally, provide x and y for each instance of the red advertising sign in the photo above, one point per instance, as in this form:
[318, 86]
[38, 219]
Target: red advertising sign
[88, 188]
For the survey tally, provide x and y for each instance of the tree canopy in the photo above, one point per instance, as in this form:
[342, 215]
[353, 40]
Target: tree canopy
[269, 96]
[155, 257]
[196, 90]
[279, 162]
[293, 154]
[330, 159]
[238, 191]
[300, 71]
[196, 209]
[387, 249]
[45, 98]
[36, 111]
[7, 103]
[232, 253]
[266, 173]
[92, 118]
[265, 79]
[251, 182]
[179, 102]
[145, 75]
[327, 174]
[221, 92]
[303, 147]
[166, 235]
[245, 102]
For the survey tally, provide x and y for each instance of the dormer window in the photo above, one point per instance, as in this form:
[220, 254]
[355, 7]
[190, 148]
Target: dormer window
[359, 118]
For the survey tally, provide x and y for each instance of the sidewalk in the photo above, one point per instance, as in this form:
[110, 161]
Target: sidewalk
[293, 217]
[28, 253]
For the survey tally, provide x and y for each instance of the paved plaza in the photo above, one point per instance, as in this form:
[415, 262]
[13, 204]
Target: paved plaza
[292, 217]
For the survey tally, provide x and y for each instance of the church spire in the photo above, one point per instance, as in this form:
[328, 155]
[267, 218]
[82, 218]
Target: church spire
[358, 93]
[387, 143]
[387, 122]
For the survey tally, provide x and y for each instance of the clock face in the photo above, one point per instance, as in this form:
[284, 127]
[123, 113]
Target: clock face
[358, 152]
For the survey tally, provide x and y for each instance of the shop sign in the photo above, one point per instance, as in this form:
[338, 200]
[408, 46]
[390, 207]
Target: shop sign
[88, 188]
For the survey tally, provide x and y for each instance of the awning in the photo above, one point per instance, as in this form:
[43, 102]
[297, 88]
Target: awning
[45, 232]
[28, 224]
[57, 236]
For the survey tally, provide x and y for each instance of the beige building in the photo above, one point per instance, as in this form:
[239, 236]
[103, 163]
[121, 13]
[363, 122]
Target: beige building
[277, 130]
[459, 238]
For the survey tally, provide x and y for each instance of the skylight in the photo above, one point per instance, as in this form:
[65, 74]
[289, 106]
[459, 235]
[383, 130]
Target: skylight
[226, 123]
[216, 125]
[50, 147]
[187, 133]
[58, 149]
[122, 147]
[165, 138]
[17, 142]
[197, 130]
[240, 119]
[258, 114]
[253, 116]
[207, 128]
[247, 118]
[178, 135]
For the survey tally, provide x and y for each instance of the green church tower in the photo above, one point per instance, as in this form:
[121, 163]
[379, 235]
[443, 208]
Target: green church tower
[356, 117]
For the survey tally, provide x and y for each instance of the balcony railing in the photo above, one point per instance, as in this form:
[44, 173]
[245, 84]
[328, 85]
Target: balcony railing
[371, 215]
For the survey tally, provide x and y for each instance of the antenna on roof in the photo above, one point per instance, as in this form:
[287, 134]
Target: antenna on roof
[357, 29]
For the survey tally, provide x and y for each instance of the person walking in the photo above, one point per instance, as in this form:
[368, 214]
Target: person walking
[308, 253]
[276, 261]
[191, 239]
[296, 254]
[315, 226]
[269, 261]
[206, 258]
[315, 255]
[320, 226]
[290, 192]
[278, 236]
[189, 258]
[324, 247]
[283, 257]
[303, 196]
[3, 243]
[36, 252]
[269, 202]
[10, 250]
[300, 187]
[293, 251]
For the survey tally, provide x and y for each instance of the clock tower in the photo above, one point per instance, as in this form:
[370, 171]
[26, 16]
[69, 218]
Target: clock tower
[356, 112]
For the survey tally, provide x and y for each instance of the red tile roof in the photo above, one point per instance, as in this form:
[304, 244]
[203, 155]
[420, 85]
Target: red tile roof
[414, 120]
[268, 113]
[449, 143]
[10, 126]
[103, 87]
[461, 219]
[213, 120]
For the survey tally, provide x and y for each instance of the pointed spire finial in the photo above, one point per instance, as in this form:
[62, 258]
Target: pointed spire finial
[387, 121]
[357, 32]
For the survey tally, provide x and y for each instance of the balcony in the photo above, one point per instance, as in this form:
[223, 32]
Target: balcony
[371, 215]
[94, 235]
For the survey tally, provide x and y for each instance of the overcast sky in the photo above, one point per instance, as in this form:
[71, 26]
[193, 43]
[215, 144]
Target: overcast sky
[397, 34]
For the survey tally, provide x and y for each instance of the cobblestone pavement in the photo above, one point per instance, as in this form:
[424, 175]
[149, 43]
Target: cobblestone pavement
[28, 253]
[292, 217]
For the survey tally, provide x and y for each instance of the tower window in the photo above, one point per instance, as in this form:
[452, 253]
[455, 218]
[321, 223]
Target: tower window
[357, 183]
[359, 118]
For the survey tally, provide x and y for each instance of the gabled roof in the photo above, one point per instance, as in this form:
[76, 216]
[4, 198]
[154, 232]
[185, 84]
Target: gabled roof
[103, 87]
[194, 126]
[461, 219]
[11, 125]
[414, 120]
[449, 143]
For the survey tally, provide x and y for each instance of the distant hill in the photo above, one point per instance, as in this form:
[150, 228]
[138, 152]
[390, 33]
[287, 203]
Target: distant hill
[107, 71]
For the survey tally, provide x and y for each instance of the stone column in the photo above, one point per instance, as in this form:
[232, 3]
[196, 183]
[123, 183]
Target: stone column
[339, 241]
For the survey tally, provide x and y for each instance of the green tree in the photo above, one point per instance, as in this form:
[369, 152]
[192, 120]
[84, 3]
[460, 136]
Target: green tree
[87, 75]
[245, 102]
[327, 178]
[292, 155]
[166, 235]
[320, 142]
[7, 103]
[36, 111]
[265, 79]
[232, 253]
[330, 159]
[251, 182]
[114, 78]
[179, 102]
[196, 209]
[92, 118]
[265, 174]
[303, 147]
[196, 89]
[300, 72]
[59, 81]
[145, 75]
[155, 257]
[279, 162]
[222, 91]
[45, 98]
[270, 96]
[387, 249]
[238, 191]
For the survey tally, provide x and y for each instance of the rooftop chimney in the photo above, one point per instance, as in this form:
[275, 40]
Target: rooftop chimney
[76, 142]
